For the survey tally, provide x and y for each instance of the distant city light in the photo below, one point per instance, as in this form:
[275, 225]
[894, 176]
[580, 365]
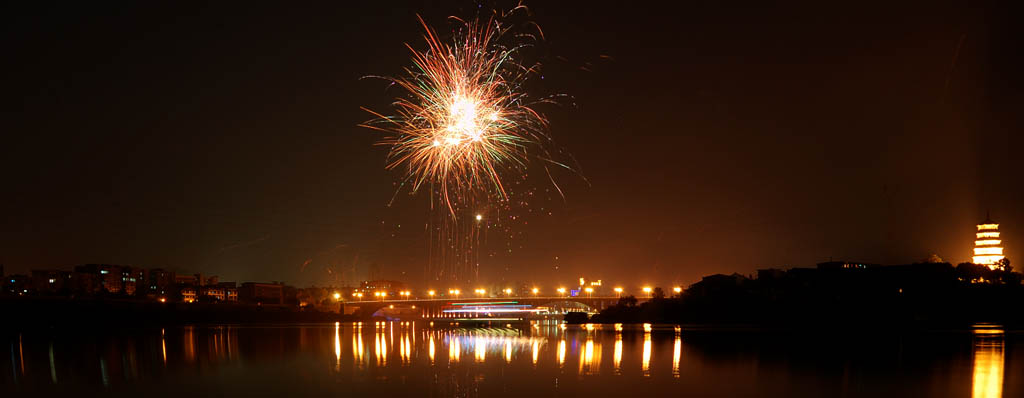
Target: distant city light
[677, 289]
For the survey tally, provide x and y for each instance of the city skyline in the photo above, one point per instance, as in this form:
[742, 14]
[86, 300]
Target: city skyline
[712, 139]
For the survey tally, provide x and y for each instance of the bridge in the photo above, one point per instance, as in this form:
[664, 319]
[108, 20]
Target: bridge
[433, 308]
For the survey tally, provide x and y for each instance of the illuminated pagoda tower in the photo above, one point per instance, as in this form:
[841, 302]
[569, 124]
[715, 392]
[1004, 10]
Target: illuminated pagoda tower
[988, 249]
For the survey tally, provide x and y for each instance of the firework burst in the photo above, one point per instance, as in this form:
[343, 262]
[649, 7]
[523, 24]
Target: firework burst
[463, 122]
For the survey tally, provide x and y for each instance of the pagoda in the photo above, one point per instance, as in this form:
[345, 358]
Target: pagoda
[988, 249]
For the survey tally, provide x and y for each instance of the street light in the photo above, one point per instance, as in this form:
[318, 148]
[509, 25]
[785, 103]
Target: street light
[508, 292]
[456, 292]
[677, 289]
[337, 296]
[618, 292]
[535, 291]
[648, 291]
[481, 291]
[589, 290]
[561, 290]
[430, 293]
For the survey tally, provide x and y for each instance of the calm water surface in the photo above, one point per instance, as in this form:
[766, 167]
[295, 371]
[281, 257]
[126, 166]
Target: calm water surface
[417, 359]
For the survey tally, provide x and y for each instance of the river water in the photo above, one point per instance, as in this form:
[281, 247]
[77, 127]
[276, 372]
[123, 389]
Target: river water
[419, 359]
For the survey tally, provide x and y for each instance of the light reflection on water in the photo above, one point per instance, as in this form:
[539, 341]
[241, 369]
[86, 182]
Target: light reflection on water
[989, 362]
[504, 361]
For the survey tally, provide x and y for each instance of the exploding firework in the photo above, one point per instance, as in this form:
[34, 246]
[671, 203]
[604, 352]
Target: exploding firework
[465, 128]
[464, 123]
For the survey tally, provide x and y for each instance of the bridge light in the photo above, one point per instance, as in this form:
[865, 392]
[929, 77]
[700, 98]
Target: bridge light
[589, 290]
[481, 291]
[561, 290]
[456, 292]
[536, 290]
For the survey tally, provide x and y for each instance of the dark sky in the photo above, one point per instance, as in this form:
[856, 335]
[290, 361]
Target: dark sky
[716, 137]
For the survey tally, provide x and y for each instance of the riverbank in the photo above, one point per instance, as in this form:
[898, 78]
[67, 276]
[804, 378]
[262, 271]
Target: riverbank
[47, 312]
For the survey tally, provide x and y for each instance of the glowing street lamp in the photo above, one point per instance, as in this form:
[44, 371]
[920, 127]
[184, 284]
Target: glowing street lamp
[561, 290]
[618, 292]
[481, 292]
[479, 217]
[589, 290]
[430, 293]
[647, 290]
[535, 291]
[677, 289]
[455, 292]
[508, 292]
[337, 296]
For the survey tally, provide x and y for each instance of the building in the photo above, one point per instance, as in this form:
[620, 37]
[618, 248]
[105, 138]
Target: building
[51, 281]
[17, 284]
[988, 249]
[160, 282]
[133, 280]
[187, 294]
[261, 293]
[192, 280]
[223, 291]
[390, 288]
[108, 278]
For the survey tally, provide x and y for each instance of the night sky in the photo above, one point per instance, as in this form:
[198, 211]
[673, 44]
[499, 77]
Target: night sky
[714, 137]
